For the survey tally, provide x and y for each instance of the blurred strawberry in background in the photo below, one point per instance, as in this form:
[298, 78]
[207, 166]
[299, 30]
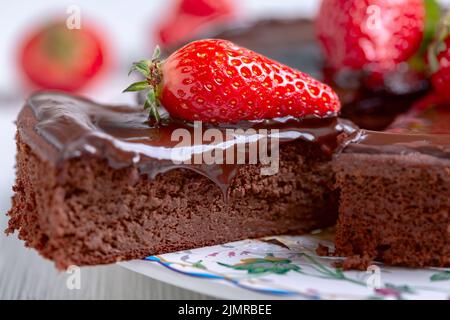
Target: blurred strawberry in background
[372, 34]
[59, 58]
[189, 17]
[438, 59]
[381, 42]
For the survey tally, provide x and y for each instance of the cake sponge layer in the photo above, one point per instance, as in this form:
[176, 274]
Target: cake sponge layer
[394, 209]
[85, 212]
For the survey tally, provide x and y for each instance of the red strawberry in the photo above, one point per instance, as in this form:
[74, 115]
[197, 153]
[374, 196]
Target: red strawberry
[56, 57]
[218, 81]
[441, 75]
[439, 60]
[372, 34]
[189, 17]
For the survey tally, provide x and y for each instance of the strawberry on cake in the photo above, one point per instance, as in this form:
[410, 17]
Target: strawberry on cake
[98, 184]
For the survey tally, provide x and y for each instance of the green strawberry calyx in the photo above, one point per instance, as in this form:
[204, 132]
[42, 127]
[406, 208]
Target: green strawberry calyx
[151, 70]
[432, 19]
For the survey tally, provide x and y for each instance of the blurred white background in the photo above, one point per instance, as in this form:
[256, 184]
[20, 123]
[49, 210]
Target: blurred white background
[127, 24]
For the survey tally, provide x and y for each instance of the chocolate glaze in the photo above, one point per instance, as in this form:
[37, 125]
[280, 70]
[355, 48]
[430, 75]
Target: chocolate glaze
[293, 42]
[374, 142]
[61, 127]
[425, 131]
[424, 119]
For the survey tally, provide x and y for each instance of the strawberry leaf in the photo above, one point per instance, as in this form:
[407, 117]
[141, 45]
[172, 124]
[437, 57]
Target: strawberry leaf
[137, 86]
[142, 67]
[432, 17]
[156, 53]
[152, 104]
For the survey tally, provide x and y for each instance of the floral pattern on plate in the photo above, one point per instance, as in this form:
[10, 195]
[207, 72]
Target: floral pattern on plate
[288, 267]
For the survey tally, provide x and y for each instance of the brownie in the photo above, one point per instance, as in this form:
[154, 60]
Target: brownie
[395, 193]
[93, 185]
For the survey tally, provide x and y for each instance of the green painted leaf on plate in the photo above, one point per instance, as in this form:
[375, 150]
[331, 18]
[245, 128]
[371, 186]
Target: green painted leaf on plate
[269, 264]
[440, 276]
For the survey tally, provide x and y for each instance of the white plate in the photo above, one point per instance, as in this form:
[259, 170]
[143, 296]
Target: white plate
[287, 267]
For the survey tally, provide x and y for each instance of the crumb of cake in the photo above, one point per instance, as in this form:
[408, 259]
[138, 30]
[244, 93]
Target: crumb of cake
[356, 262]
[322, 250]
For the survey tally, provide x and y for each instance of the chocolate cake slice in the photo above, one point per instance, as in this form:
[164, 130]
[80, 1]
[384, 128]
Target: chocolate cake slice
[395, 193]
[95, 184]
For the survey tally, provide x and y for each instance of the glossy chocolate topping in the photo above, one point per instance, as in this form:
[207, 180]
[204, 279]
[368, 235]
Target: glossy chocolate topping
[426, 119]
[60, 127]
[425, 131]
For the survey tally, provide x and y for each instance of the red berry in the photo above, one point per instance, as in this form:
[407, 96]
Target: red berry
[441, 75]
[218, 81]
[190, 17]
[371, 34]
[56, 57]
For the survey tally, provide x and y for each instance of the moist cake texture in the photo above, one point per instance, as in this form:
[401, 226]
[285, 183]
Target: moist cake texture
[93, 185]
[395, 193]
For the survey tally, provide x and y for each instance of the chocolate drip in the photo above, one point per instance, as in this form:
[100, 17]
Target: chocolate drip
[67, 127]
